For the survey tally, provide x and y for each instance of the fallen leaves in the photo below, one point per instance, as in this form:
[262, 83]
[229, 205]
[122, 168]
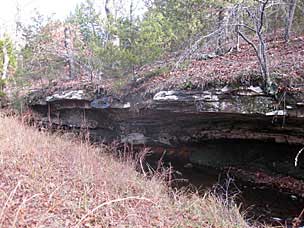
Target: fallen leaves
[286, 61]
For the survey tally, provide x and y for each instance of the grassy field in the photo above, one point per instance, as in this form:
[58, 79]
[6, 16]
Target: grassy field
[59, 181]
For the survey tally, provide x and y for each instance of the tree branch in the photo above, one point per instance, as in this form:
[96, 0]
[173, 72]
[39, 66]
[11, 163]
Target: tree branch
[195, 47]
[249, 42]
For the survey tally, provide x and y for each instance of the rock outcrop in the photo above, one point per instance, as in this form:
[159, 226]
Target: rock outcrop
[217, 127]
[173, 118]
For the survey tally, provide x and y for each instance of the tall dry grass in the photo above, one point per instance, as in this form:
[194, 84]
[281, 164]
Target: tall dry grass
[59, 181]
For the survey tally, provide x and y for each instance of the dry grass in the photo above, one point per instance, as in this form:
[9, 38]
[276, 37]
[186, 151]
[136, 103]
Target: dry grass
[52, 181]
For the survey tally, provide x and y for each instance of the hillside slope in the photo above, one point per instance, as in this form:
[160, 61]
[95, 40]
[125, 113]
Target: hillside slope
[52, 181]
[286, 64]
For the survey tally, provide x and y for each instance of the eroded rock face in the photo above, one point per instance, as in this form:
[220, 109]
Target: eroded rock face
[186, 123]
[174, 118]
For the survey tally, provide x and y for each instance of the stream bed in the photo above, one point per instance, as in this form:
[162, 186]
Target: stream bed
[267, 205]
[258, 202]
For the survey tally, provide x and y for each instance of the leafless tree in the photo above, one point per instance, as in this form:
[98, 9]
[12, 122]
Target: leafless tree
[107, 9]
[257, 17]
[5, 61]
[289, 18]
[68, 46]
[222, 27]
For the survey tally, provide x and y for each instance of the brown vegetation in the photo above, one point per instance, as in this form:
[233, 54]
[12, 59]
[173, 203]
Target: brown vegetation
[52, 181]
[285, 63]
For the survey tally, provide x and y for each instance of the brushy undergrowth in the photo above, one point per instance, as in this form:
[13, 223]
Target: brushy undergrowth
[59, 181]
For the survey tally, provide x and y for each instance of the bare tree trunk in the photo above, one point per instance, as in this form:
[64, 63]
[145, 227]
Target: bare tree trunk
[237, 45]
[289, 19]
[107, 8]
[132, 35]
[131, 12]
[258, 19]
[108, 14]
[68, 46]
[5, 61]
[221, 16]
[238, 17]
[262, 44]
[264, 61]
